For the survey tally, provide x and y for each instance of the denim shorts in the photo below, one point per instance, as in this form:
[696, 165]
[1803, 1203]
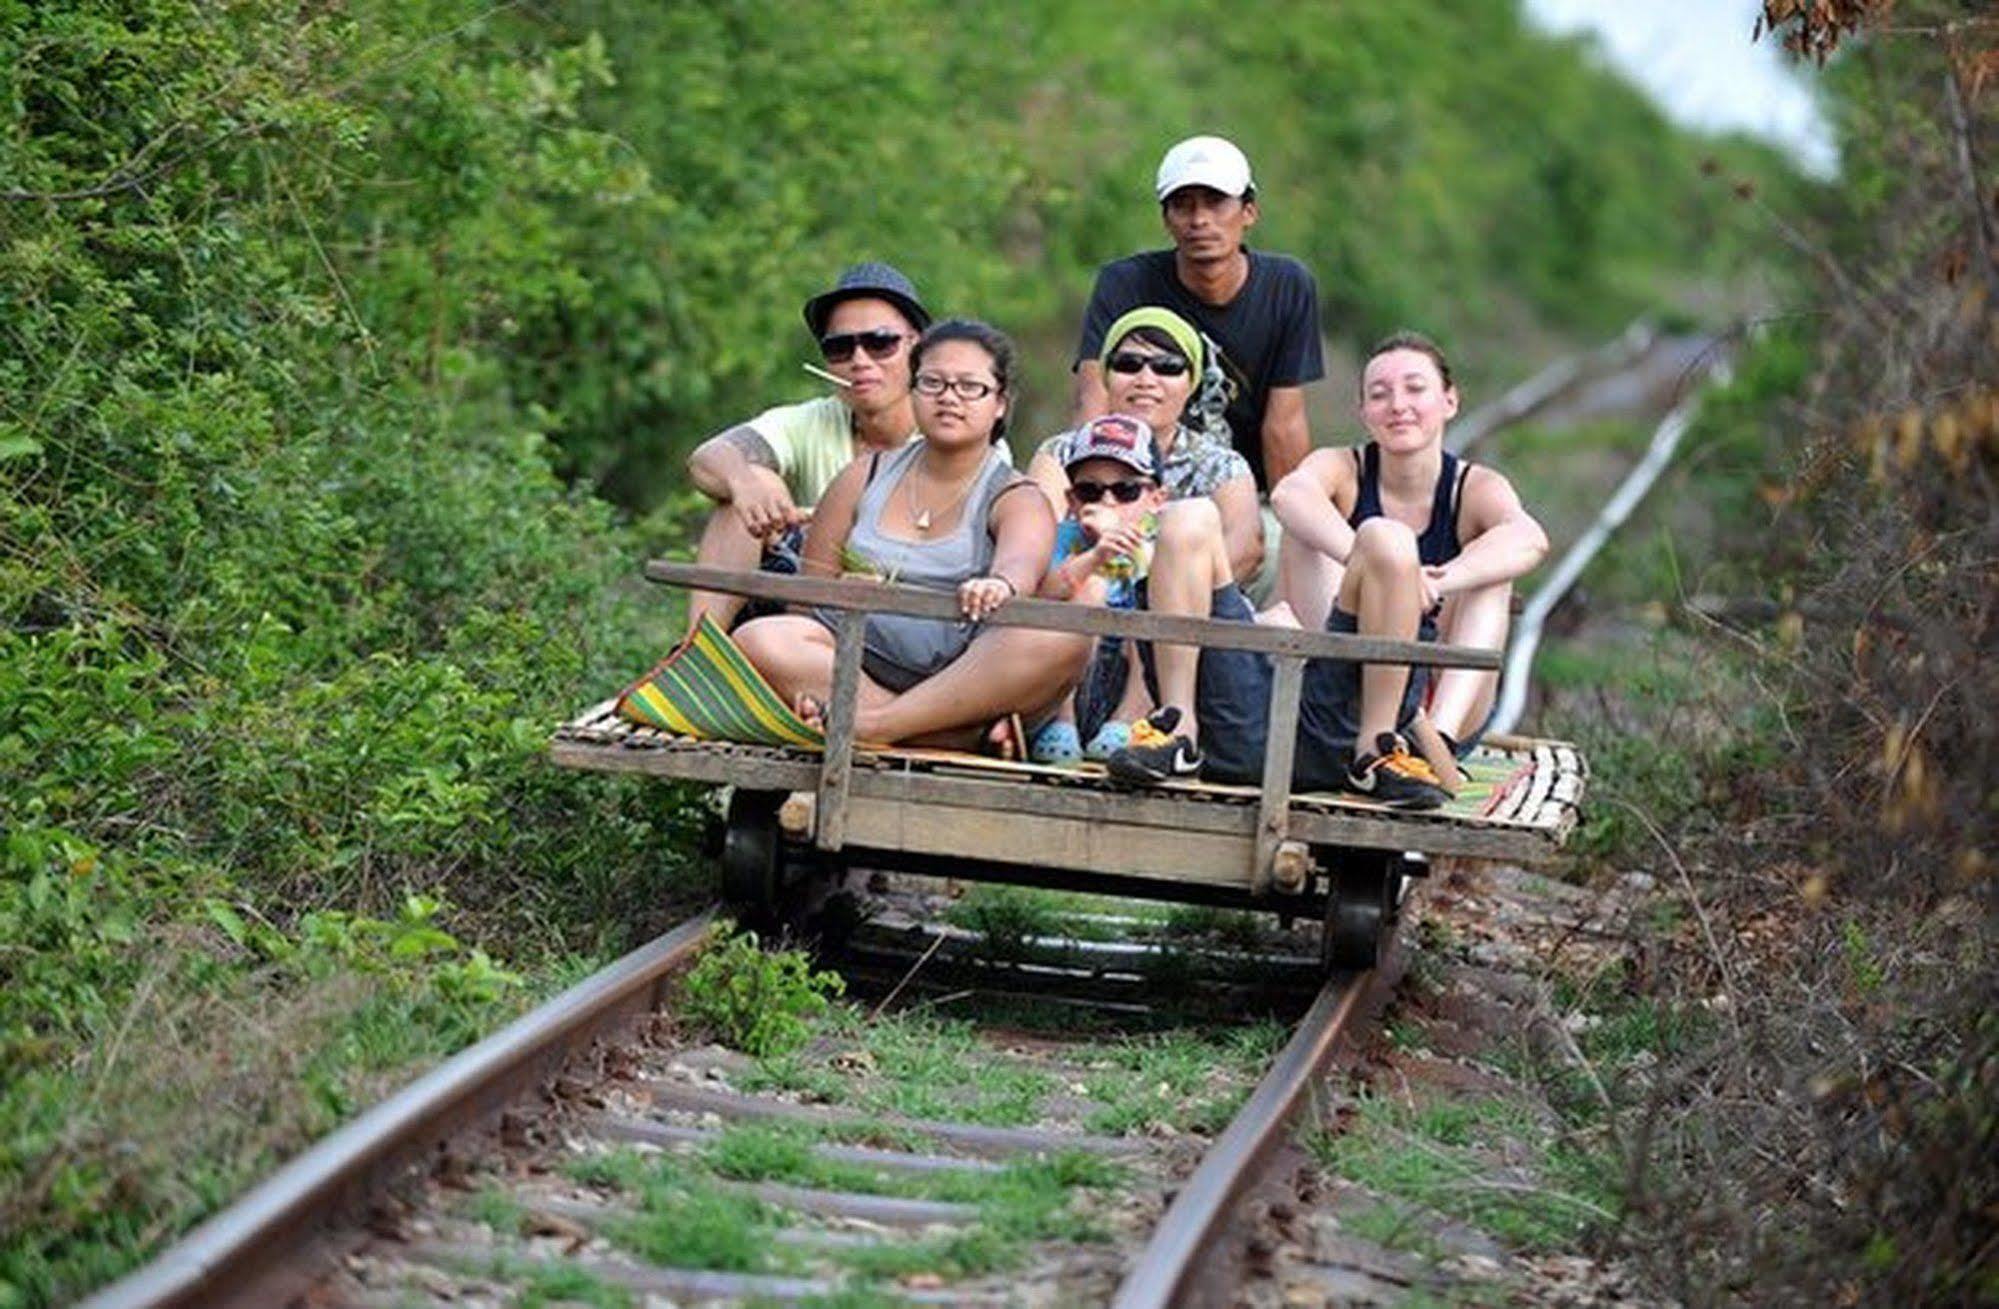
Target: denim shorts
[1233, 701]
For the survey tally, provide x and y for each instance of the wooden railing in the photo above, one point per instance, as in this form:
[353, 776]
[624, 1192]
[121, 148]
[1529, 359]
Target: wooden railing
[856, 598]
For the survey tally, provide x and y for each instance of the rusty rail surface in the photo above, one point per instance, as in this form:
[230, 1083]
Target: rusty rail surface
[251, 1251]
[1201, 1209]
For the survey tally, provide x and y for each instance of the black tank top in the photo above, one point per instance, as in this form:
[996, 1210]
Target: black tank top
[1438, 543]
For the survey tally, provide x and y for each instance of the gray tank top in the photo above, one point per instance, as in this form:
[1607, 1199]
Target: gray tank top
[921, 646]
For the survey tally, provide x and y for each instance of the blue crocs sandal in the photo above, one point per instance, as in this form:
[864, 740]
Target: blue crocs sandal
[1110, 738]
[1056, 745]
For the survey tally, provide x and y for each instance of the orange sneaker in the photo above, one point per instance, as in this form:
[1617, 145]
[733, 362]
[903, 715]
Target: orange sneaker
[1395, 777]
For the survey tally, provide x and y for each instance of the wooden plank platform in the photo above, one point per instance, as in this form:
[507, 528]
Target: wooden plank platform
[1521, 805]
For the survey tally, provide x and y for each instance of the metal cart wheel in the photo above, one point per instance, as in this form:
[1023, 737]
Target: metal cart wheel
[1361, 904]
[753, 857]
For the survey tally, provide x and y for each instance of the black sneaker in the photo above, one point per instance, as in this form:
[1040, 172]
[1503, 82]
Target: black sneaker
[1395, 777]
[1155, 753]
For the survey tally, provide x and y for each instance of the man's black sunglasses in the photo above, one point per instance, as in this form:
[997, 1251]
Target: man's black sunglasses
[1124, 492]
[880, 343]
[1130, 361]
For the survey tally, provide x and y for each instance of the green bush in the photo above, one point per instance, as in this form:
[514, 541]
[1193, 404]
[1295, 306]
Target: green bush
[759, 1001]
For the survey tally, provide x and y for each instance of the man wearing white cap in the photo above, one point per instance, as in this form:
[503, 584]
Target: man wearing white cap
[1262, 310]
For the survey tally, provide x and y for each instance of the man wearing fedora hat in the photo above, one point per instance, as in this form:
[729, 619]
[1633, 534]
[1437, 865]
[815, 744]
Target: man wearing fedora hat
[1261, 310]
[766, 473]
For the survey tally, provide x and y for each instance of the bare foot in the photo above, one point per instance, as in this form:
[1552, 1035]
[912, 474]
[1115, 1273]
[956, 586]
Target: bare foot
[1007, 739]
[809, 710]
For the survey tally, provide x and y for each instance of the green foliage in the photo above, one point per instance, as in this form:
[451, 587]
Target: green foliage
[936, 1068]
[762, 1002]
[288, 590]
[1014, 155]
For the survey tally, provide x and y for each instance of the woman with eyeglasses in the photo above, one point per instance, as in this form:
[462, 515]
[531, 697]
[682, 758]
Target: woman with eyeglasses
[946, 511]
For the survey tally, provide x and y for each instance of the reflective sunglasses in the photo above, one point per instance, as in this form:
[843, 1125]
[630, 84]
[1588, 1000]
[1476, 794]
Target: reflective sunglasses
[1124, 493]
[1130, 361]
[879, 342]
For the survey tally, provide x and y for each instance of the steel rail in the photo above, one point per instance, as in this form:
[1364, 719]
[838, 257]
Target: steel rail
[1518, 674]
[1528, 398]
[1201, 1208]
[234, 1257]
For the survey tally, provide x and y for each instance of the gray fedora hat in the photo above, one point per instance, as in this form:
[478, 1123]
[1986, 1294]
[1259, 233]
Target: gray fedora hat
[871, 281]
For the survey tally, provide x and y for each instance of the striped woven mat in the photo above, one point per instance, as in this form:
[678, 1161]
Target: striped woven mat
[708, 689]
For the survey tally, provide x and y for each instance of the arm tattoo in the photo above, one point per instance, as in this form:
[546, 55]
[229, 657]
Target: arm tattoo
[749, 443]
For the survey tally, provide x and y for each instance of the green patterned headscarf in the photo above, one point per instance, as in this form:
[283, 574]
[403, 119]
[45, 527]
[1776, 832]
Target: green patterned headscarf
[1183, 333]
[1207, 404]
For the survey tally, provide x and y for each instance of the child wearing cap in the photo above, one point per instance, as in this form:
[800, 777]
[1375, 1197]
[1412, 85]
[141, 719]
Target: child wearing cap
[1103, 552]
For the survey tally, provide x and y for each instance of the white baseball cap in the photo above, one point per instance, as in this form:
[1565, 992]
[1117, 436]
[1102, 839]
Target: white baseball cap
[1205, 161]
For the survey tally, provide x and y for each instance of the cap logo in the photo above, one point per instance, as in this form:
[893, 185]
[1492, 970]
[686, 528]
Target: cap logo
[1114, 431]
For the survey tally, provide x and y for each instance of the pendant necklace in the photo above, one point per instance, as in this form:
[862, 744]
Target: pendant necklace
[919, 517]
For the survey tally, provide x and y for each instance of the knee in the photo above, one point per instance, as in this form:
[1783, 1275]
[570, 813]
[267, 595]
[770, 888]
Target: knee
[773, 642]
[755, 639]
[1383, 541]
[1187, 523]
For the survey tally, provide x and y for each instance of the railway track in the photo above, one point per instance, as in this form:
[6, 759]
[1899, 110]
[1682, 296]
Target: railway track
[591, 1153]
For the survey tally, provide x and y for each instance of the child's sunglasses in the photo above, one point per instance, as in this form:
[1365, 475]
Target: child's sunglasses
[1130, 361]
[880, 343]
[1123, 492]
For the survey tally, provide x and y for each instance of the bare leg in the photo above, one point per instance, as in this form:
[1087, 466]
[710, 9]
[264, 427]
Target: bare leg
[1136, 701]
[725, 543]
[1382, 588]
[795, 654]
[1004, 670]
[1190, 563]
[1308, 580]
[1462, 697]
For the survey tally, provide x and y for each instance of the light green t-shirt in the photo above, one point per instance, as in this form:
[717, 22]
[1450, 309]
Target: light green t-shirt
[813, 441]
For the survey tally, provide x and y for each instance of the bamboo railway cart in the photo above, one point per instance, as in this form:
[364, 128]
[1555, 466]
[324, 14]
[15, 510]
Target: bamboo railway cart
[800, 815]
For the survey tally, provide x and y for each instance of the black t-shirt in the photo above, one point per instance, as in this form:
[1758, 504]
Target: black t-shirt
[1268, 334]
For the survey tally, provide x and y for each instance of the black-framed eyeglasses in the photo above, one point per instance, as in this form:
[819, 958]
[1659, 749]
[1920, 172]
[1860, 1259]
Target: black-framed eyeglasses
[965, 388]
[1131, 361]
[879, 342]
[1124, 493]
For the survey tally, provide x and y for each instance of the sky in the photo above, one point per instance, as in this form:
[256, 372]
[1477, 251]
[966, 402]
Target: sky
[1695, 58]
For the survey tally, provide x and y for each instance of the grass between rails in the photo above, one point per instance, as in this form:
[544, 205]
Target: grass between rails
[916, 1064]
[923, 1067]
[689, 1214]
